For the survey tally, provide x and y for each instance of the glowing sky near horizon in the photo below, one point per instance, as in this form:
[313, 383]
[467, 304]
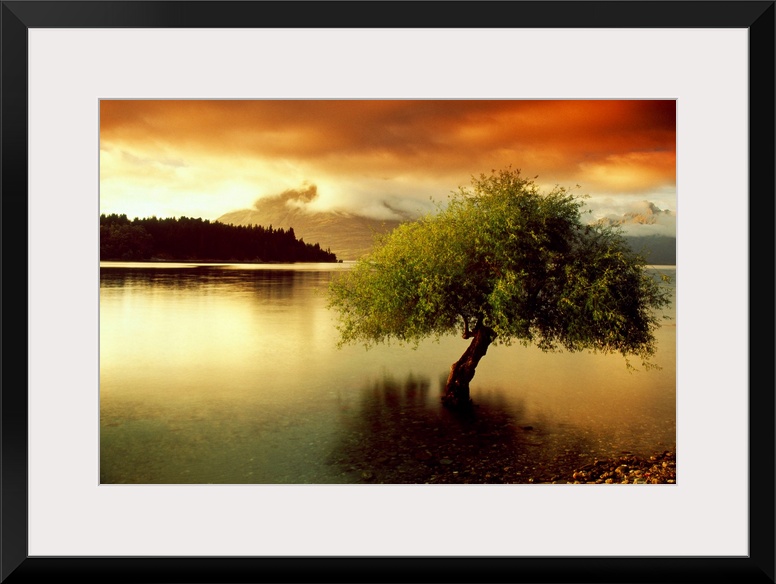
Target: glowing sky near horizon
[204, 158]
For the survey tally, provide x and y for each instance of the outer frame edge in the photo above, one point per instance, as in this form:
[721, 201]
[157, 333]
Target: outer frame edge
[15, 566]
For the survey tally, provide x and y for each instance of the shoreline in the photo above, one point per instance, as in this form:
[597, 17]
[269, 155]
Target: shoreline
[659, 468]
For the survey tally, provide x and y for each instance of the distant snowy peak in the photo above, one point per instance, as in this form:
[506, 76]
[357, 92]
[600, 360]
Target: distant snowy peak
[647, 214]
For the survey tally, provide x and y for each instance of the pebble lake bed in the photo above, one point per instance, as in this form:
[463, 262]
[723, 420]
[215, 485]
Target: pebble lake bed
[487, 445]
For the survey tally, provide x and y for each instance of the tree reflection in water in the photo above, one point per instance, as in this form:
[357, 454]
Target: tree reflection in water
[400, 434]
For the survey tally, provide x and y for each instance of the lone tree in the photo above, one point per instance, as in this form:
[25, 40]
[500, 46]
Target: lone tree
[502, 262]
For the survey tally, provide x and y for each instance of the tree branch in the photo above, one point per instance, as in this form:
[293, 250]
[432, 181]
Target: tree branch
[467, 334]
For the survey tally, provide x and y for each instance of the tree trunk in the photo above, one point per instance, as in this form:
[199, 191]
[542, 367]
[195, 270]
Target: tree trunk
[456, 393]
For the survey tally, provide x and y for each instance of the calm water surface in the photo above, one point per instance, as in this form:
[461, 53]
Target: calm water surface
[231, 374]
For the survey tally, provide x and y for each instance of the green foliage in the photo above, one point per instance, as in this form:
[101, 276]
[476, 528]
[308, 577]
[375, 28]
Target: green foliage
[504, 255]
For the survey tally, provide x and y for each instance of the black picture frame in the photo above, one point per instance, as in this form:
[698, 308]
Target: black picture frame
[19, 16]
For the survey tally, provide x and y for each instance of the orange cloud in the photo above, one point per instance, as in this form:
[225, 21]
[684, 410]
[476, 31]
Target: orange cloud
[632, 172]
[261, 145]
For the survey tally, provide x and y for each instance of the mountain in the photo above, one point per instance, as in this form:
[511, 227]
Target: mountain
[658, 249]
[348, 235]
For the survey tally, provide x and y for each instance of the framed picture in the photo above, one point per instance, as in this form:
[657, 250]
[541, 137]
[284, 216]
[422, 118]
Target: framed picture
[83, 84]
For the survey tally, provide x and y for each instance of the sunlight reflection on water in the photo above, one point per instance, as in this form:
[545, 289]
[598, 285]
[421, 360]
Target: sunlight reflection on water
[230, 374]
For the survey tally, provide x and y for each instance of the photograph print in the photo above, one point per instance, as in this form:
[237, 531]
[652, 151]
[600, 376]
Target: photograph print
[387, 292]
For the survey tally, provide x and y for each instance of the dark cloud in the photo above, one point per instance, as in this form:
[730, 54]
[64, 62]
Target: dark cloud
[301, 200]
[290, 198]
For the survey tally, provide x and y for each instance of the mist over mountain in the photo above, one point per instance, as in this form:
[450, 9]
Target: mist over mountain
[643, 218]
[350, 235]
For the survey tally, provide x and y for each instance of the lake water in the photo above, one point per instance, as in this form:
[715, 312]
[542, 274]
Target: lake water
[231, 374]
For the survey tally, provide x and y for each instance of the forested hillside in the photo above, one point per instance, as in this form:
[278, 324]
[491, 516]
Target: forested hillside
[189, 239]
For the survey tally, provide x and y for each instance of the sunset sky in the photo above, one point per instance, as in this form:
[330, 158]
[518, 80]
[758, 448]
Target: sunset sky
[205, 158]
